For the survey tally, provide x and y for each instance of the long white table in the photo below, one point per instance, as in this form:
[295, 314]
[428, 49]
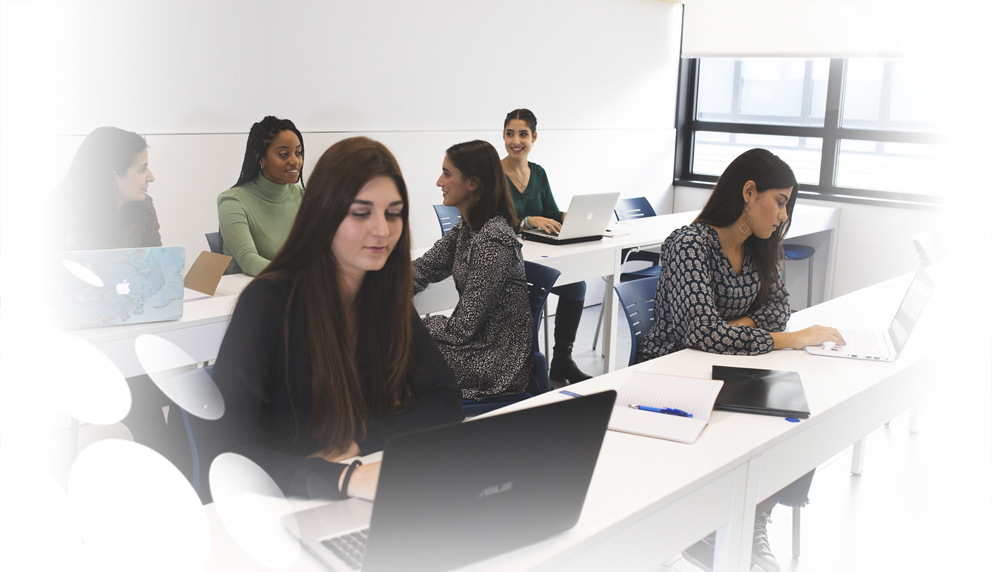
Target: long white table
[651, 498]
[201, 329]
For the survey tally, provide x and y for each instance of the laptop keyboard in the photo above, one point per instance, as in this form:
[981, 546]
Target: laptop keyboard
[552, 236]
[350, 548]
[868, 342]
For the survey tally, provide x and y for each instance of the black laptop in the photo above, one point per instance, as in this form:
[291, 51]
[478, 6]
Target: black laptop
[761, 391]
[457, 494]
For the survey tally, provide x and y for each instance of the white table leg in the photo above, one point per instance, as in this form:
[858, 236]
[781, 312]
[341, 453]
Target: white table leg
[728, 548]
[914, 419]
[858, 458]
[744, 536]
[610, 318]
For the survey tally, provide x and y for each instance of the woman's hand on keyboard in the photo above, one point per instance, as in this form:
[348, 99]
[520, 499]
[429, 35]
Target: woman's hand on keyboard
[811, 336]
[548, 225]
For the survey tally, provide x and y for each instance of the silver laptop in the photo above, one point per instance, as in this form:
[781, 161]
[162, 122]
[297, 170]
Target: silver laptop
[884, 346]
[120, 286]
[587, 219]
[457, 494]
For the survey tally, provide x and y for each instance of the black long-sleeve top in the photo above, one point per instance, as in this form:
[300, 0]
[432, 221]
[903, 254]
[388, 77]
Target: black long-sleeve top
[259, 398]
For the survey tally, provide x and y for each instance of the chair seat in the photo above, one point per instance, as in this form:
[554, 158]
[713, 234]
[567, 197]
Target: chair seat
[798, 251]
[649, 272]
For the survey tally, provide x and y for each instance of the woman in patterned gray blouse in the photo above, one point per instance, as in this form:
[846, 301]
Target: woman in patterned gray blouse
[487, 340]
[720, 292]
[719, 289]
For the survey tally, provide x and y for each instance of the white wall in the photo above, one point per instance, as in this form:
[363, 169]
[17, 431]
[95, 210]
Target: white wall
[420, 76]
[874, 243]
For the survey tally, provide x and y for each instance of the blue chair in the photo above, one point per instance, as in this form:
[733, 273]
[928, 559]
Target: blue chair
[215, 241]
[540, 280]
[801, 252]
[447, 217]
[637, 300]
[189, 432]
[632, 209]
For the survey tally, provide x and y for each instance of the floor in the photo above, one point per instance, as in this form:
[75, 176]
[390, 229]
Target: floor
[893, 517]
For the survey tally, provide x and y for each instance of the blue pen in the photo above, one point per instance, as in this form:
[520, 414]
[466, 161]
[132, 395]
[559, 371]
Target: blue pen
[665, 410]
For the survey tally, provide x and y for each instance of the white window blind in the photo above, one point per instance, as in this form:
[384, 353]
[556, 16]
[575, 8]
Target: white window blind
[801, 28]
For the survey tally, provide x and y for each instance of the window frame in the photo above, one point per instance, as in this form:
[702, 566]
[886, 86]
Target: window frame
[831, 134]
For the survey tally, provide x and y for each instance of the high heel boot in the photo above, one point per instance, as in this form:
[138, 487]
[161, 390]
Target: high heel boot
[567, 318]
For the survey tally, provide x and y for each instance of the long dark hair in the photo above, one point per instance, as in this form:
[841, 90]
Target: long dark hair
[306, 262]
[478, 161]
[525, 115]
[87, 192]
[726, 204]
[259, 138]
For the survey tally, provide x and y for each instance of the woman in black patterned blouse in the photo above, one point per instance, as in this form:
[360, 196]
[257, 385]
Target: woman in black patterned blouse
[720, 292]
[487, 340]
[719, 289]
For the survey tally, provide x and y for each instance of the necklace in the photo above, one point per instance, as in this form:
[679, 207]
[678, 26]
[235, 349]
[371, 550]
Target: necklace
[516, 178]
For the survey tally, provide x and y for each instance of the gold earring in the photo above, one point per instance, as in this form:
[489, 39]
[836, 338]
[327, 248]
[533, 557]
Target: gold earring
[744, 228]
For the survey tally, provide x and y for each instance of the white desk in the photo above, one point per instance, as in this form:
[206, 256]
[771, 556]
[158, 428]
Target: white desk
[648, 498]
[651, 498]
[848, 398]
[199, 332]
[201, 329]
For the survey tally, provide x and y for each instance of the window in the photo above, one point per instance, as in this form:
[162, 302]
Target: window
[856, 130]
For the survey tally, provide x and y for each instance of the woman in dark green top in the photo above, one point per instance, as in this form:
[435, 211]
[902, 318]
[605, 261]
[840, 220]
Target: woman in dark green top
[536, 208]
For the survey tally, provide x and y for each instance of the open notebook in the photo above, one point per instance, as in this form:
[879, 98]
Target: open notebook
[688, 394]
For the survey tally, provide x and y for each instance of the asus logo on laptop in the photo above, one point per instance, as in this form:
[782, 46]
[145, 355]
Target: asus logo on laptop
[495, 490]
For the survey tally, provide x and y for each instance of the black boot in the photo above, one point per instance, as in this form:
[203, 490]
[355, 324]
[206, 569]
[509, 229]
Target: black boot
[567, 318]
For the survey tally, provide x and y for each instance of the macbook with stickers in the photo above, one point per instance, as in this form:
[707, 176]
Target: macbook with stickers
[453, 495]
[119, 286]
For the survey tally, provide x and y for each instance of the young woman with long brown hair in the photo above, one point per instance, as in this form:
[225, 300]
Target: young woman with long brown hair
[487, 340]
[720, 292]
[325, 358]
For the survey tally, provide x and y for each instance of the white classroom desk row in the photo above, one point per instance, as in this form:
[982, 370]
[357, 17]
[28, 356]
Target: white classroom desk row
[651, 498]
[201, 329]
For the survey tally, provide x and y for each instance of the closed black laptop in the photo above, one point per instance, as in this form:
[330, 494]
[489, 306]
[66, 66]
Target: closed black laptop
[761, 391]
[458, 494]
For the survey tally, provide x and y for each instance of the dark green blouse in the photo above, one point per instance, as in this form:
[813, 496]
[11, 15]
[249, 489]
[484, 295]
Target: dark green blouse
[536, 200]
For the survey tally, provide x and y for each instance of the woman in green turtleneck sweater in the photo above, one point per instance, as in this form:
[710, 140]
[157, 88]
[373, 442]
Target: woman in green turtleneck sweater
[256, 214]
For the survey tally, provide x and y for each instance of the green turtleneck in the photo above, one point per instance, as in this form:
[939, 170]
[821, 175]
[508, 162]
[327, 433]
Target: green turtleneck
[255, 220]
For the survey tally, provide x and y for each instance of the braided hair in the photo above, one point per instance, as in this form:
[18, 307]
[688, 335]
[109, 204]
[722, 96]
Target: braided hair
[259, 138]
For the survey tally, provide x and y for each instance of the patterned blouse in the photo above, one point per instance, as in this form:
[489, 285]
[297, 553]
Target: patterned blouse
[699, 292]
[488, 339]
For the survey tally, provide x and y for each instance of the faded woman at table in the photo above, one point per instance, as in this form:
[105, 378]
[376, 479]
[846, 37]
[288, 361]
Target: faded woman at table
[720, 291]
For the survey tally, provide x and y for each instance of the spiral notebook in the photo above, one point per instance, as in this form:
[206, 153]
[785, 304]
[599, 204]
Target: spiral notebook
[691, 395]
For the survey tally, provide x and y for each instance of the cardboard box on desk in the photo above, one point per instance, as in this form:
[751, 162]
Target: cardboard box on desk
[206, 272]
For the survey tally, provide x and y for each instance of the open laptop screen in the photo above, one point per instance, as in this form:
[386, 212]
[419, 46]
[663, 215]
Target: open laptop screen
[910, 309]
